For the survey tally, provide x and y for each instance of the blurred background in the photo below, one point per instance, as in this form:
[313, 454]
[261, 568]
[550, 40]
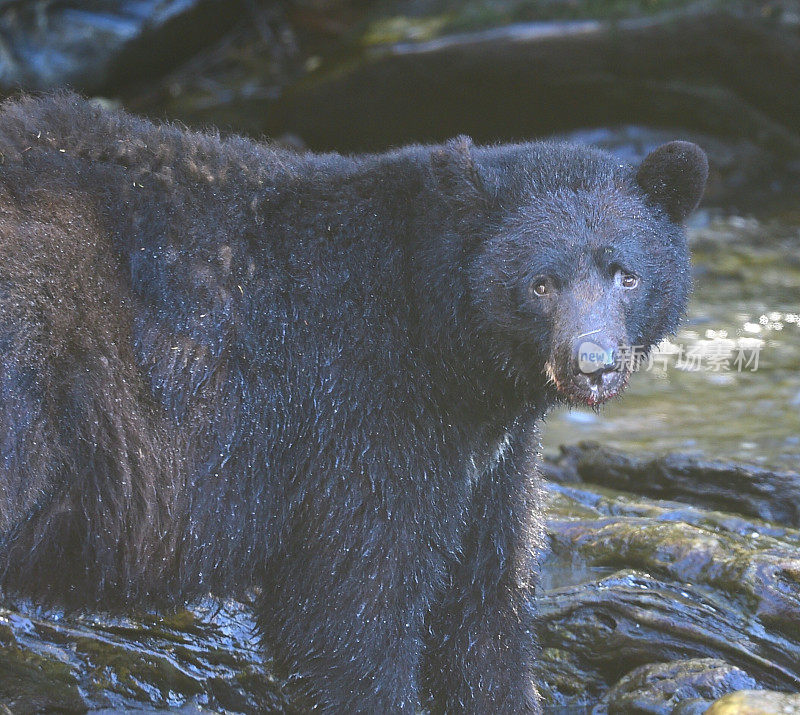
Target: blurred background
[669, 582]
[352, 75]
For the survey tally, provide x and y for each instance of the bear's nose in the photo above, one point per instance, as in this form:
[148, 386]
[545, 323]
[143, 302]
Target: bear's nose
[594, 357]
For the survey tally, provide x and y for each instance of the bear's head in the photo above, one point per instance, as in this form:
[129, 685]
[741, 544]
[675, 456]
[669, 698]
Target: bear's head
[577, 263]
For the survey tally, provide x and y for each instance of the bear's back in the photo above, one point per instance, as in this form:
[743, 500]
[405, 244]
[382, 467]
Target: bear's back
[66, 123]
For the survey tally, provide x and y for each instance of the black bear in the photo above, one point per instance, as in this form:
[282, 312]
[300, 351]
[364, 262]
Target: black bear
[225, 365]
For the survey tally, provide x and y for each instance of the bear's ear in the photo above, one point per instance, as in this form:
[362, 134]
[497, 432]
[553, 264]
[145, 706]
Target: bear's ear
[674, 177]
[456, 173]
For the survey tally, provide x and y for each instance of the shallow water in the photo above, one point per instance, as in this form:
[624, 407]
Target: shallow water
[746, 304]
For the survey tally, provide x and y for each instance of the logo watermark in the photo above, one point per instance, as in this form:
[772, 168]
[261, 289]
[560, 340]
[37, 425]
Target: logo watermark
[715, 355]
[592, 357]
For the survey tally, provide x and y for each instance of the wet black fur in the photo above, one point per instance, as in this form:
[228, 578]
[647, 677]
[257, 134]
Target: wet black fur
[223, 364]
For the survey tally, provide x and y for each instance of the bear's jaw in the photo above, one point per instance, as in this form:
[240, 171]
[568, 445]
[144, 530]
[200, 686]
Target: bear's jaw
[583, 389]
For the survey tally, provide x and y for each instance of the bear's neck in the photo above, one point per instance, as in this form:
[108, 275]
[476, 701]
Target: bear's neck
[444, 332]
[468, 383]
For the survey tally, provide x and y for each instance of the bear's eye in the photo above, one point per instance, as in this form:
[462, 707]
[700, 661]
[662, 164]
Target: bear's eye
[540, 287]
[626, 280]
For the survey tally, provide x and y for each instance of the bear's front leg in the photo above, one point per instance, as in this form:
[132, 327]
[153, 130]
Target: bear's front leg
[480, 651]
[344, 604]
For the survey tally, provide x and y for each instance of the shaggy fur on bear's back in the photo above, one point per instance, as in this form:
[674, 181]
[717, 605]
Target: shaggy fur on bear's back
[224, 364]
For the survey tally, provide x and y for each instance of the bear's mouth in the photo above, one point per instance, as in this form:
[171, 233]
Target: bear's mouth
[589, 389]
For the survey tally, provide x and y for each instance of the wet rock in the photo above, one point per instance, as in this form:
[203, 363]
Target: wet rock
[747, 490]
[203, 660]
[630, 581]
[658, 688]
[92, 46]
[30, 682]
[756, 702]
[595, 633]
[683, 69]
[233, 82]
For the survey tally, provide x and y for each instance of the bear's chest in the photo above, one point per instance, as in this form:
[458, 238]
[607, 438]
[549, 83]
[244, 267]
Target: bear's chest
[484, 458]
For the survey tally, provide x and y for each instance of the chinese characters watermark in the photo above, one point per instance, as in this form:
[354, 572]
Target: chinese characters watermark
[711, 355]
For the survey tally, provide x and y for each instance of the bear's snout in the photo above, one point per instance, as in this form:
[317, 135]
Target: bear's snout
[594, 357]
[590, 370]
[599, 386]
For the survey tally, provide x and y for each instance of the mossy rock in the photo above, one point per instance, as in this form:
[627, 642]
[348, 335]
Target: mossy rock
[756, 702]
[32, 683]
[134, 674]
